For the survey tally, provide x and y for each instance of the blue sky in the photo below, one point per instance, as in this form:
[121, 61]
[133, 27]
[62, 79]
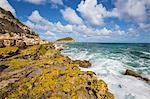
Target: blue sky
[85, 20]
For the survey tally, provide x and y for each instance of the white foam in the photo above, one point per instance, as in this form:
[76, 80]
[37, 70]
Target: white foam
[123, 87]
[147, 53]
[110, 70]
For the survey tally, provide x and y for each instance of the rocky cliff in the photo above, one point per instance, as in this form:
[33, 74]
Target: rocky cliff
[13, 32]
[40, 71]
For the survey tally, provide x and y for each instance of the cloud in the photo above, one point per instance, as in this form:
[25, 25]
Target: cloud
[41, 2]
[37, 22]
[70, 15]
[145, 27]
[49, 33]
[57, 2]
[36, 17]
[37, 2]
[5, 5]
[133, 9]
[94, 13]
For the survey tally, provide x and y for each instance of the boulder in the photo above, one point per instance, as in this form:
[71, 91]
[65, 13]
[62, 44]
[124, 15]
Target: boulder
[131, 73]
[135, 74]
[84, 63]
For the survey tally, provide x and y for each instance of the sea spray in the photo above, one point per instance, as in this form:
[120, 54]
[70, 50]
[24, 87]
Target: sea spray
[110, 61]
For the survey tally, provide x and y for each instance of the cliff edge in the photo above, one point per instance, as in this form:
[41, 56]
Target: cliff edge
[40, 71]
[14, 33]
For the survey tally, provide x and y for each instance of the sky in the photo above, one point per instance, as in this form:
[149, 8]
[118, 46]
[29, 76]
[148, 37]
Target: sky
[122, 21]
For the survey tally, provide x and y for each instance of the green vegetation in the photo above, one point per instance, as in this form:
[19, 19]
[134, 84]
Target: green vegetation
[67, 39]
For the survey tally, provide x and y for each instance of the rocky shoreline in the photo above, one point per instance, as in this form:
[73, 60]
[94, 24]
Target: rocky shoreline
[41, 71]
[32, 68]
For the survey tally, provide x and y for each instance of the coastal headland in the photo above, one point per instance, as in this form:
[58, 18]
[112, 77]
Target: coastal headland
[33, 68]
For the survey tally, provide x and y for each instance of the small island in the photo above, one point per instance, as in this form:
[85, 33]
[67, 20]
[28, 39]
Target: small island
[65, 40]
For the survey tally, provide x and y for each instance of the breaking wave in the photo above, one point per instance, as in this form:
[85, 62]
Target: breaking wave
[110, 61]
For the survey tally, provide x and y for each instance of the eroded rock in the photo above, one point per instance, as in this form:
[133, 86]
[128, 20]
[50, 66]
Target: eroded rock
[84, 63]
[40, 71]
[131, 73]
[50, 76]
[135, 74]
[2, 67]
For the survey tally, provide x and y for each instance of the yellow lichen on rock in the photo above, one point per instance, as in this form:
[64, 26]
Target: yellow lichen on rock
[51, 75]
[6, 50]
[17, 63]
[30, 50]
[35, 69]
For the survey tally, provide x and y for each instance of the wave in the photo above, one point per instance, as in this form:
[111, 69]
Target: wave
[110, 63]
[140, 54]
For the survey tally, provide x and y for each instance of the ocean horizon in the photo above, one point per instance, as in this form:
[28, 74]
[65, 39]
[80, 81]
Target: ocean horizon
[115, 42]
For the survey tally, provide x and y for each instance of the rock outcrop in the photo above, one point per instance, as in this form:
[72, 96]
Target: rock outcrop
[84, 63]
[135, 74]
[14, 33]
[40, 71]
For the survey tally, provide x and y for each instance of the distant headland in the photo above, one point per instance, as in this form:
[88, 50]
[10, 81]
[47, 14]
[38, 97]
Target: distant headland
[65, 40]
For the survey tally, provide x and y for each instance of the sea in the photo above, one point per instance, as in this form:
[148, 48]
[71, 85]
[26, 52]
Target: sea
[110, 61]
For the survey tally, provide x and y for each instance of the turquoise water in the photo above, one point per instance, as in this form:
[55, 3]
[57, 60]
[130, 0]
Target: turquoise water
[109, 62]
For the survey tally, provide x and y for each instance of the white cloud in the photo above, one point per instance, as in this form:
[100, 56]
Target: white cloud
[36, 17]
[117, 27]
[94, 13]
[70, 15]
[40, 2]
[5, 5]
[30, 24]
[83, 29]
[145, 27]
[59, 2]
[137, 12]
[59, 28]
[49, 33]
[134, 9]
[37, 22]
[36, 1]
